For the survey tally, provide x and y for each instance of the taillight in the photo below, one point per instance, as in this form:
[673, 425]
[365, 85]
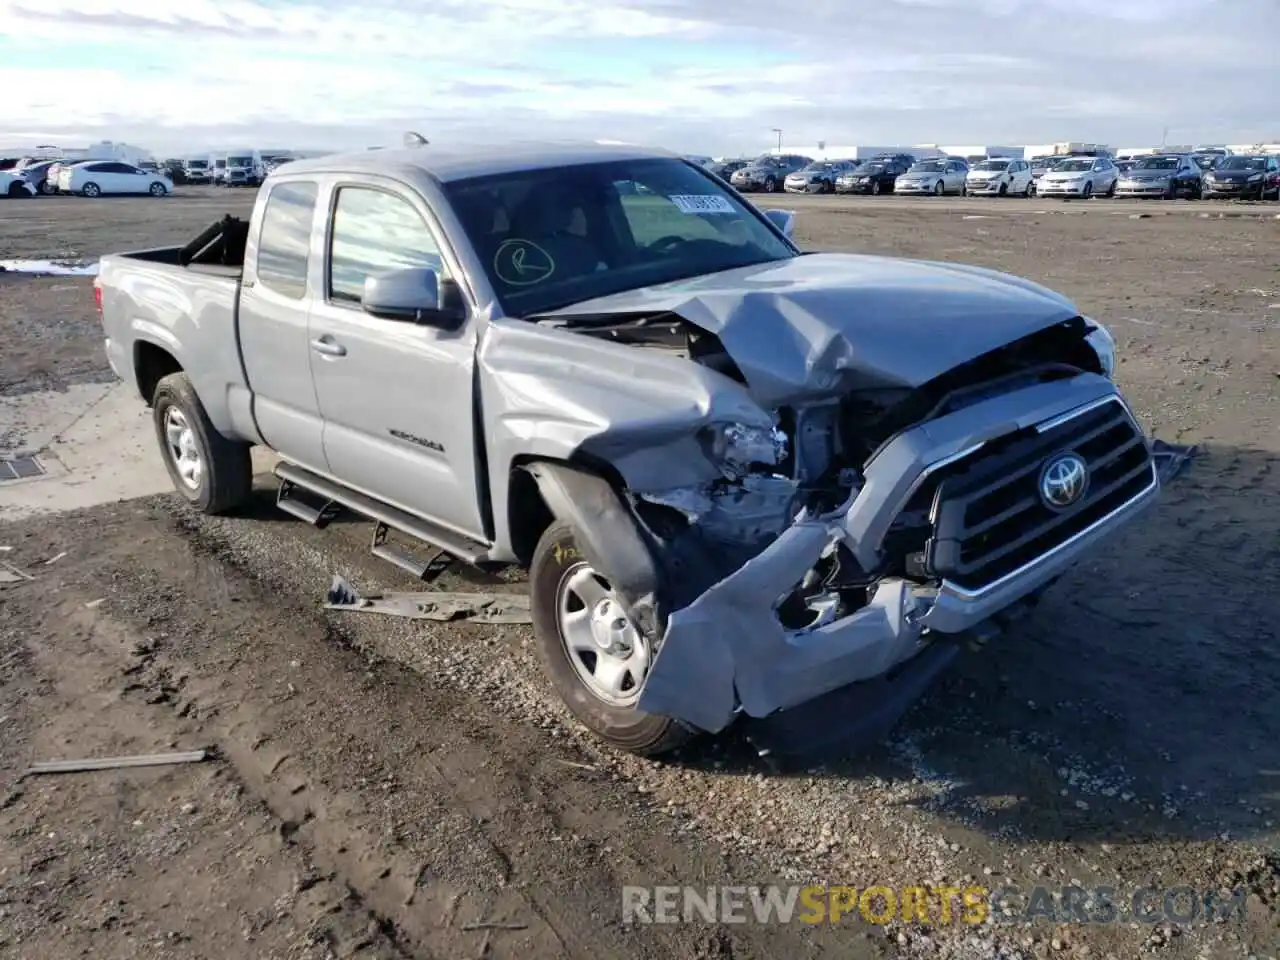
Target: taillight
[97, 295]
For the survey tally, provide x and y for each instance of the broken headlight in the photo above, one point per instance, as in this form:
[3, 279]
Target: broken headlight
[1103, 344]
[741, 448]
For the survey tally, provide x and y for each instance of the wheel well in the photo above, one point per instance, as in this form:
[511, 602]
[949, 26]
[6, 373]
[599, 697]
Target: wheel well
[151, 364]
[528, 515]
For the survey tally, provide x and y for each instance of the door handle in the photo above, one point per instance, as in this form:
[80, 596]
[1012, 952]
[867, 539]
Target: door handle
[329, 347]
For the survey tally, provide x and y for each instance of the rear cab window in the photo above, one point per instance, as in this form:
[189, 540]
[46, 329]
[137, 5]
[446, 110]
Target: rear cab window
[284, 238]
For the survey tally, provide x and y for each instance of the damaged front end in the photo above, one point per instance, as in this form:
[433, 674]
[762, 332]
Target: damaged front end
[820, 598]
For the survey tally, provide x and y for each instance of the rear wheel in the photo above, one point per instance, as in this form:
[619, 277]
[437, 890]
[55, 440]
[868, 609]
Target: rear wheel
[215, 474]
[596, 659]
[48, 189]
[1031, 189]
[1111, 190]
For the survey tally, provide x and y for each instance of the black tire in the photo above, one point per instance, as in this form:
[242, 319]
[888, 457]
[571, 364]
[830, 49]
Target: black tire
[626, 728]
[91, 190]
[770, 185]
[875, 188]
[1031, 189]
[227, 478]
[1087, 194]
[939, 189]
[1004, 189]
[17, 191]
[158, 190]
[48, 189]
[1111, 190]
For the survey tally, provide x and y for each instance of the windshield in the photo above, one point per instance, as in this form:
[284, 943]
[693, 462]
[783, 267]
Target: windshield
[197, 164]
[818, 166]
[871, 168]
[1083, 163]
[1242, 163]
[993, 165]
[550, 238]
[1157, 163]
[239, 161]
[929, 166]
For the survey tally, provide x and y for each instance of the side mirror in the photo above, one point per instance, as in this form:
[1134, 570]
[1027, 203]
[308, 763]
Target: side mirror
[784, 220]
[412, 294]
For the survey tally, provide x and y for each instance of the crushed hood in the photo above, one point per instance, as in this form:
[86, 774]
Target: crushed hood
[830, 323]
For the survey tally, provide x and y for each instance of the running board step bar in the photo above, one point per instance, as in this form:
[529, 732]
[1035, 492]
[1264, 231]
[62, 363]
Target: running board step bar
[435, 564]
[290, 498]
[384, 515]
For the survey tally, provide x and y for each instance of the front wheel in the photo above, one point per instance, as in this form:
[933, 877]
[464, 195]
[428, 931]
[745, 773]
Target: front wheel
[17, 191]
[158, 190]
[939, 189]
[214, 474]
[1087, 192]
[1031, 189]
[91, 190]
[595, 657]
[770, 185]
[875, 188]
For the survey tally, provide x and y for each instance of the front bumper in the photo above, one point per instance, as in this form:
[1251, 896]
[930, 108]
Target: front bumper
[816, 187]
[858, 187]
[909, 187]
[727, 651]
[1051, 188]
[1158, 189]
[1233, 189]
[983, 187]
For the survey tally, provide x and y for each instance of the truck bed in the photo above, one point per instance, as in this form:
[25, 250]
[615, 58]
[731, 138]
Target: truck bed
[217, 251]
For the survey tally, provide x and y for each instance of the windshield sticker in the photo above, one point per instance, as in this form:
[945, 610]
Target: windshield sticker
[702, 203]
[522, 263]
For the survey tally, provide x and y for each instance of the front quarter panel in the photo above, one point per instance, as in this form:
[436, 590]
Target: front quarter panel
[549, 394]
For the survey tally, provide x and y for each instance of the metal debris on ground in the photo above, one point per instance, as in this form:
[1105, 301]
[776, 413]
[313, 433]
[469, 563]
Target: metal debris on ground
[432, 605]
[118, 763]
[11, 574]
[1170, 458]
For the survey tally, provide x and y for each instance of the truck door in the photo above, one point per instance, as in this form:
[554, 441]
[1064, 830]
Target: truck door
[396, 396]
[273, 324]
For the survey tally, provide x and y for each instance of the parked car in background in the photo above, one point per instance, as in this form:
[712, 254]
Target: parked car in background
[1079, 178]
[218, 168]
[768, 173]
[1042, 165]
[938, 176]
[818, 177]
[875, 176]
[96, 178]
[37, 174]
[1164, 175]
[724, 169]
[1248, 177]
[1124, 166]
[14, 186]
[1000, 177]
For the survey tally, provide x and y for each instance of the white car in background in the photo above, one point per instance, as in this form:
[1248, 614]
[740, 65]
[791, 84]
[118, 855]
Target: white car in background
[1082, 177]
[999, 177]
[15, 186]
[935, 177]
[98, 177]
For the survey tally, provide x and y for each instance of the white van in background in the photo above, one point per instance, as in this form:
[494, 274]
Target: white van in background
[218, 166]
[244, 168]
[198, 170]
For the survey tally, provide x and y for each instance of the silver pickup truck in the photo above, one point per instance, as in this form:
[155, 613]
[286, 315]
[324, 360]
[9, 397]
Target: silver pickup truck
[750, 485]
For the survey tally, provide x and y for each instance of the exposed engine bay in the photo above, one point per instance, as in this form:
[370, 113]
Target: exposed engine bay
[811, 462]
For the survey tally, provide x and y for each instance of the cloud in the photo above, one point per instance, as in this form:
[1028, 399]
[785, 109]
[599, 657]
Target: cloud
[699, 75]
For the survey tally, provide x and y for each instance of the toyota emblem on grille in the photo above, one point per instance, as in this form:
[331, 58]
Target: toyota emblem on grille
[1063, 480]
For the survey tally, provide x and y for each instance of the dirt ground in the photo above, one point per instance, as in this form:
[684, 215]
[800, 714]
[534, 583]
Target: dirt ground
[385, 788]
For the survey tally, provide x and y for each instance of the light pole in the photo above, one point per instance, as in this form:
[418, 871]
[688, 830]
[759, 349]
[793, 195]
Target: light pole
[778, 131]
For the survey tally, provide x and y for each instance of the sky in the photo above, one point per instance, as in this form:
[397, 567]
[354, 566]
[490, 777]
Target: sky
[698, 76]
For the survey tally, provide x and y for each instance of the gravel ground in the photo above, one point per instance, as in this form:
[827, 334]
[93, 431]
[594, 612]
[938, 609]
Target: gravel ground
[384, 786]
